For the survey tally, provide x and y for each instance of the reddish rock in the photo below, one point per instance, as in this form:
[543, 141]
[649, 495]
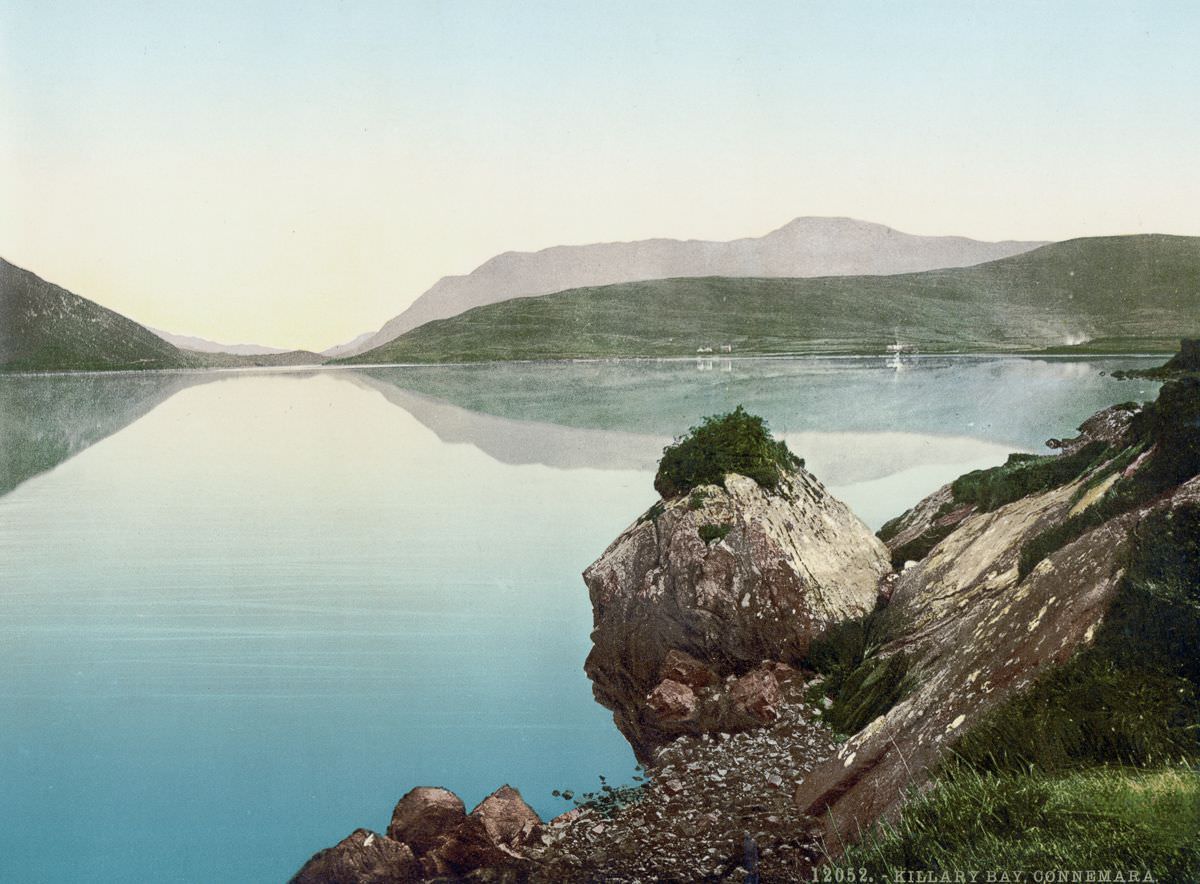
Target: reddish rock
[364, 857]
[510, 822]
[671, 702]
[781, 672]
[431, 836]
[757, 694]
[686, 669]
[425, 816]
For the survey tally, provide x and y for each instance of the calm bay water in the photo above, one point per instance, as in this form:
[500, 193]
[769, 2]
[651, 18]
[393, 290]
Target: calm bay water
[244, 612]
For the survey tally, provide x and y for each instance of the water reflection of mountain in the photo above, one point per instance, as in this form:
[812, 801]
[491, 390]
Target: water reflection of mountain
[47, 419]
[1012, 402]
[853, 420]
[521, 442]
[839, 458]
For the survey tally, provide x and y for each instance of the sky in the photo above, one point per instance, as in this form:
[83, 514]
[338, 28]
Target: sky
[296, 173]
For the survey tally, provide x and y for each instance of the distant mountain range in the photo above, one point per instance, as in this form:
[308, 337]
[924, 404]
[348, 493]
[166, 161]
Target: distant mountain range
[805, 247]
[1103, 294]
[1100, 294]
[201, 345]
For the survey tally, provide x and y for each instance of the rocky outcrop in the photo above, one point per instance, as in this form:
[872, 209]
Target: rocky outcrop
[721, 580]
[911, 536]
[701, 604]
[1110, 426]
[432, 837]
[978, 634]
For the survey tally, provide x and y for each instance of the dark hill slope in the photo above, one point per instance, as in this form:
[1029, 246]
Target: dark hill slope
[44, 327]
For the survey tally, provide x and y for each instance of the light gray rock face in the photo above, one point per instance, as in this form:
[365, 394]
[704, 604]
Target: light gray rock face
[978, 635]
[790, 563]
[803, 247]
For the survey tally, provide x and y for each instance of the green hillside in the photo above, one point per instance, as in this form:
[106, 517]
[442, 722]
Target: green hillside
[44, 327]
[1111, 294]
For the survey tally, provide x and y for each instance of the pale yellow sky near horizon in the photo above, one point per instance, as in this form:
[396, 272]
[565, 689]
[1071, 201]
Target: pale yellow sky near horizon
[296, 175]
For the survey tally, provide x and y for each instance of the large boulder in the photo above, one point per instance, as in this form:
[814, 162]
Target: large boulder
[447, 842]
[671, 702]
[727, 577]
[510, 823]
[364, 857]
[424, 816]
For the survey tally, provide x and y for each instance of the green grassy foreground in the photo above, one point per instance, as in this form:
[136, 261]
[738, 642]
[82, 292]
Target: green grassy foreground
[1104, 819]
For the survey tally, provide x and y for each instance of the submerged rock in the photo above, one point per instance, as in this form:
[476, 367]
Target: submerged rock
[726, 578]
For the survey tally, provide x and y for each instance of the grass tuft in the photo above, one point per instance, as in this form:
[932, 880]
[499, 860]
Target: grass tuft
[1109, 818]
[861, 684]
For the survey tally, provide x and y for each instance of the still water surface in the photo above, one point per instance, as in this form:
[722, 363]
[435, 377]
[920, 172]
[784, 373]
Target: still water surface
[244, 612]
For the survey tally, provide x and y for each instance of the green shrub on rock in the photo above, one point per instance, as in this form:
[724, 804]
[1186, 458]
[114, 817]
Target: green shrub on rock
[1025, 474]
[712, 532]
[737, 442]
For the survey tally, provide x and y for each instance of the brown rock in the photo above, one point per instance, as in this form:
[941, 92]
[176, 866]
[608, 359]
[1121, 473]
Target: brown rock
[686, 669]
[425, 816]
[757, 694]
[362, 858]
[781, 672]
[794, 561]
[508, 820]
[671, 702]
[465, 849]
